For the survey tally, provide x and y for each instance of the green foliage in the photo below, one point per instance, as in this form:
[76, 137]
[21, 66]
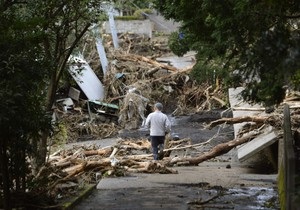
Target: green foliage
[22, 72]
[204, 72]
[142, 3]
[59, 136]
[296, 78]
[22, 94]
[177, 44]
[128, 8]
[36, 40]
[258, 39]
[140, 13]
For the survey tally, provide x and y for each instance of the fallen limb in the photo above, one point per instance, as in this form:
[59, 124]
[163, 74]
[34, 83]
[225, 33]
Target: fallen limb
[184, 147]
[201, 202]
[218, 150]
[215, 206]
[114, 152]
[260, 119]
[223, 103]
[191, 145]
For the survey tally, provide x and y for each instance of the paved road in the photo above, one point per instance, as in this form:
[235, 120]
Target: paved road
[241, 186]
[240, 189]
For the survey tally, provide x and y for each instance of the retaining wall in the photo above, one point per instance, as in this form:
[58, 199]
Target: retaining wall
[144, 27]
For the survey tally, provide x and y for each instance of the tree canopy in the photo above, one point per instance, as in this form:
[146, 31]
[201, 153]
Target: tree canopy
[256, 42]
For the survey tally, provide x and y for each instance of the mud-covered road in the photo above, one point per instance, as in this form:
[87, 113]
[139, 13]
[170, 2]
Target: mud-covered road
[221, 183]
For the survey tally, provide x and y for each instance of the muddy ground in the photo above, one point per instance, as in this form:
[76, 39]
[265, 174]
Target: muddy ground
[220, 183]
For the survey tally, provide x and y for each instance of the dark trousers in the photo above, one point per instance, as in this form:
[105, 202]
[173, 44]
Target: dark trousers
[155, 142]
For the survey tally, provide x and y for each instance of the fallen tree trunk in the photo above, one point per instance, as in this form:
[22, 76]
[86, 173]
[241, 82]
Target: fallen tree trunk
[218, 150]
[256, 119]
[103, 151]
[75, 169]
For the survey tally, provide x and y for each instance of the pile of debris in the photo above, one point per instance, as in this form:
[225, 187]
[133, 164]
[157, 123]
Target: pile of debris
[134, 81]
[70, 168]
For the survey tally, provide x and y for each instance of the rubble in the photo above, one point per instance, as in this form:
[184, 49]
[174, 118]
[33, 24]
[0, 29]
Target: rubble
[134, 66]
[135, 80]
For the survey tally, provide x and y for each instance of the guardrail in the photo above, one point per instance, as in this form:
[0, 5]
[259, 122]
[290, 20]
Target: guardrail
[287, 167]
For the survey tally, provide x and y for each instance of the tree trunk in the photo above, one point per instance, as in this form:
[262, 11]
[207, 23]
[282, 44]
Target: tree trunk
[58, 68]
[256, 119]
[218, 150]
[5, 175]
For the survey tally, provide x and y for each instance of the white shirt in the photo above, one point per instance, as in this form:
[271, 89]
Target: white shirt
[158, 123]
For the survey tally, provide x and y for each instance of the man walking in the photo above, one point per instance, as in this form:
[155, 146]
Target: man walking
[159, 125]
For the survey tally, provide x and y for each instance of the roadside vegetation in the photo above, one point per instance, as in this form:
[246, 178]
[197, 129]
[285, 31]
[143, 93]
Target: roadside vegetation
[254, 44]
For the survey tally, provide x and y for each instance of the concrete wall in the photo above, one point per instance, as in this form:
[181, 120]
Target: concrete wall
[144, 27]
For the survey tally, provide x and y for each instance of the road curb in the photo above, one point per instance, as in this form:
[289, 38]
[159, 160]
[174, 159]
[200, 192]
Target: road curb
[68, 205]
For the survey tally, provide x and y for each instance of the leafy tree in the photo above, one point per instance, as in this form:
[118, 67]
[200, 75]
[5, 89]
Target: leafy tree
[178, 44]
[21, 93]
[129, 7]
[257, 42]
[36, 40]
[64, 23]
